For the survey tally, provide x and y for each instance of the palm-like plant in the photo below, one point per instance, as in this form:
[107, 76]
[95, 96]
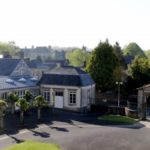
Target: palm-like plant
[3, 107]
[12, 99]
[28, 96]
[39, 102]
[24, 106]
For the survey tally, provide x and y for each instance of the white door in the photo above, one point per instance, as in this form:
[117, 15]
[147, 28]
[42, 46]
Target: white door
[58, 99]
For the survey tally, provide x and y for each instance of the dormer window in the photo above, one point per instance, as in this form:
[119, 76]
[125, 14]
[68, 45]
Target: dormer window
[22, 80]
[34, 78]
[9, 81]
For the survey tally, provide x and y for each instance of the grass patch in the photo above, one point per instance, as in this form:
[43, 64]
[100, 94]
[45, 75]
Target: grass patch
[117, 119]
[30, 145]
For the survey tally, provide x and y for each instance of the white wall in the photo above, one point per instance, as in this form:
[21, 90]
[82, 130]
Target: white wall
[82, 99]
[65, 89]
[87, 93]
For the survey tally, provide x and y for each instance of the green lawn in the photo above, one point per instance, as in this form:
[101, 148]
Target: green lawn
[117, 119]
[30, 145]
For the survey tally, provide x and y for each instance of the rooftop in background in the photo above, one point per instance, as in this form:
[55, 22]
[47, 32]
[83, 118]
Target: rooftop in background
[7, 65]
[35, 64]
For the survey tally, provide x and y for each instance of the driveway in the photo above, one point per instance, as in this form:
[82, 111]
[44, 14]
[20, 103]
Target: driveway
[75, 131]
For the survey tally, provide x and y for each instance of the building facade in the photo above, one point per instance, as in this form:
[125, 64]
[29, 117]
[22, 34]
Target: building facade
[68, 88]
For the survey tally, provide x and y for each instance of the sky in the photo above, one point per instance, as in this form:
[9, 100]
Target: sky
[75, 22]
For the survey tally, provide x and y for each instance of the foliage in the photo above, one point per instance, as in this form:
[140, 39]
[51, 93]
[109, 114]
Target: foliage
[139, 74]
[147, 53]
[140, 71]
[12, 97]
[134, 50]
[23, 104]
[39, 101]
[119, 54]
[9, 48]
[28, 96]
[101, 66]
[117, 119]
[3, 106]
[78, 57]
[30, 145]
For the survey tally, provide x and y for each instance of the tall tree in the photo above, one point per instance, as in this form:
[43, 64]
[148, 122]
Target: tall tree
[102, 65]
[133, 49]
[12, 99]
[119, 54]
[3, 106]
[24, 106]
[78, 57]
[39, 102]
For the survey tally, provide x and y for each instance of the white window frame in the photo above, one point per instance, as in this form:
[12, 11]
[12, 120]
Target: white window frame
[46, 95]
[72, 97]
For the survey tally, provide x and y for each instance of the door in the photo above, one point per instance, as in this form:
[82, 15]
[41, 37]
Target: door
[59, 99]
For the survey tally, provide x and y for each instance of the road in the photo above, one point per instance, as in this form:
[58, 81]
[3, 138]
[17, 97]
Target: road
[83, 135]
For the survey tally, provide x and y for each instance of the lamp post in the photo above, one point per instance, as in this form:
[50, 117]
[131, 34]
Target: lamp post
[119, 83]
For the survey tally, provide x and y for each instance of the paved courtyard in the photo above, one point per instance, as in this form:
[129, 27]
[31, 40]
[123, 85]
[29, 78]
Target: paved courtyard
[75, 131]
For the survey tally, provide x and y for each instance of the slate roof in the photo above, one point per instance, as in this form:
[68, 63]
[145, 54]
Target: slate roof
[47, 65]
[66, 76]
[4, 85]
[7, 65]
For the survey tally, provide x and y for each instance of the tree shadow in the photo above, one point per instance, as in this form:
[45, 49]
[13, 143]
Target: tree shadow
[60, 129]
[41, 134]
[16, 140]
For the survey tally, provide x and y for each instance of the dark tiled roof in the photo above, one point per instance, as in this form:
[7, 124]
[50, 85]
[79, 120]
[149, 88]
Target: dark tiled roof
[7, 65]
[67, 70]
[33, 63]
[66, 76]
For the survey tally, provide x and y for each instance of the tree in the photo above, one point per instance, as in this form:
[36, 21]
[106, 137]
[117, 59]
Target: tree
[134, 50]
[3, 106]
[147, 53]
[140, 71]
[28, 96]
[119, 54]
[9, 48]
[12, 99]
[24, 106]
[101, 66]
[78, 57]
[39, 102]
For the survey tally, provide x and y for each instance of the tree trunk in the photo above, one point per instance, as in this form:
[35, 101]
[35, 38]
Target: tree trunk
[22, 117]
[39, 113]
[1, 122]
[13, 109]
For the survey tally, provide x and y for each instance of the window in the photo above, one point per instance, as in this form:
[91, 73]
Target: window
[46, 95]
[58, 93]
[72, 97]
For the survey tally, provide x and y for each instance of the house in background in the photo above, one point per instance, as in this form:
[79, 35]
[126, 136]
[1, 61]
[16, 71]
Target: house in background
[68, 88]
[16, 76]
[35, 52]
